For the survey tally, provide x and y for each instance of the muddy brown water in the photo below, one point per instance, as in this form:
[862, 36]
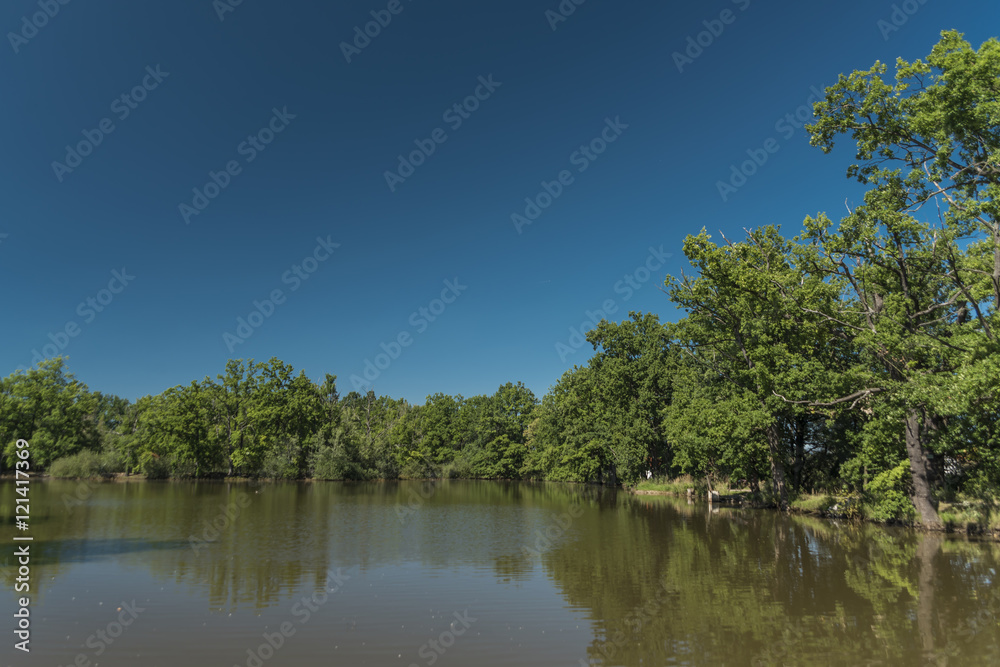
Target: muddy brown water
[477, 573]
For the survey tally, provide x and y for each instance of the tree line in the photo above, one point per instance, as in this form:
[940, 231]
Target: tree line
[263, 419]
[856, 356]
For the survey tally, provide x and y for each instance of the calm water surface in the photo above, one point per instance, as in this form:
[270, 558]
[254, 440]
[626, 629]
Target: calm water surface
[479, 573]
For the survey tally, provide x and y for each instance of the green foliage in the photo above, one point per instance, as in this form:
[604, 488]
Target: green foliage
[860, 357]
[677, 486]
[974, 515]
[459, 468]
[888, 496]
[112, 461]
[499, 459]
[604, 422]
[329, 463]
[153, 466]
[281, 462]
[50, 409]
[916, 299]
[820, 503]
[82, 465]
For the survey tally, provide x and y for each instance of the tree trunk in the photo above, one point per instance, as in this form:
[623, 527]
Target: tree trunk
[800, 453]
[777, 465]
[995, 278]
[922, 498]
[935, 464]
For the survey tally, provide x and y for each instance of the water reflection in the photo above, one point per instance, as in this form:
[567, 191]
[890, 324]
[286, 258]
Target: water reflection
[558, 574]
[751, 587]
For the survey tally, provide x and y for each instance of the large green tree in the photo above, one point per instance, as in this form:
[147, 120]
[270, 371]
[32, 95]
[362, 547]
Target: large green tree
[49, 408]
[745, 333]
[632, 369]
[918, 263]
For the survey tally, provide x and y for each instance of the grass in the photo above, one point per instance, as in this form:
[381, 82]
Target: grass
[680, 485]
[972, 515]
[967, 515]
[820, 503]
[663, 487]
[677, 485]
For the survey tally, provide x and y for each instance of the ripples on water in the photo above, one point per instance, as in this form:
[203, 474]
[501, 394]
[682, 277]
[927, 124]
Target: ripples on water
[484, 574]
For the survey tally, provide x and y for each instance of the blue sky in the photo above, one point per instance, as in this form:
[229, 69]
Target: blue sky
[589, 114]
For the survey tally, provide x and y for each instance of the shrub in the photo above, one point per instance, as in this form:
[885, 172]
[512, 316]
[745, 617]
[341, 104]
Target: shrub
[887, 497]
[282, 462]
[416, 469]
[112, 461]
[178, 467]
[80, 465]
[328, 463]
[460, 468]
[153, 466]
[277, 466]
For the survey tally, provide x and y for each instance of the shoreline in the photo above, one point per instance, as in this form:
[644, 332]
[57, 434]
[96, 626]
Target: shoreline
[740, 501]
[733, 500]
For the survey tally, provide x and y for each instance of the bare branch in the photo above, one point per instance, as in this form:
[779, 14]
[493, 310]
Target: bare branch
[855, 397]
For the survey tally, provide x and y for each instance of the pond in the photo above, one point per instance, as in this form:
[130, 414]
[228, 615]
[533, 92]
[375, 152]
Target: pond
[478, 573]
